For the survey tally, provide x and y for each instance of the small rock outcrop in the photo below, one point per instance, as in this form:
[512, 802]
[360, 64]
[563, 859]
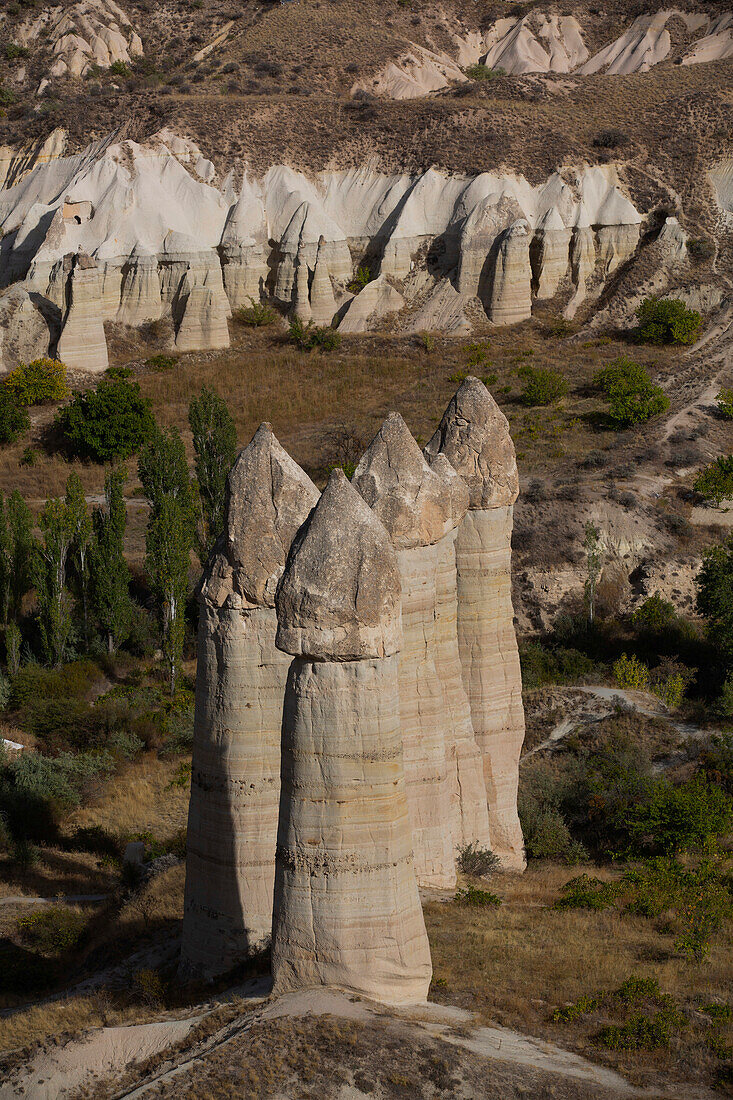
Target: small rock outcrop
[474, 437]
[414, 504]
[240, 685]
[82, 344]
[346, 910]
[375, 301]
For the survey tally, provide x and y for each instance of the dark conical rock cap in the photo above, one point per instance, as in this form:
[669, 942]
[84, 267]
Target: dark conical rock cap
[340, 597]
[412, 500]
[268, 499]
[474, 437]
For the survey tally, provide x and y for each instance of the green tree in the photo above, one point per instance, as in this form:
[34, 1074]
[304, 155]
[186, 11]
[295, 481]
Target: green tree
[163, 470]
[51, 561]
[632, 396]
[715, 597]
[109, 423]
[16, 550]
[542, 386]
[667, 321]
[594, 565]
[81, 526]
[38, 382]
[215, 444]
[715, 482]
[110, 576]
[168, 546]
[14, 419]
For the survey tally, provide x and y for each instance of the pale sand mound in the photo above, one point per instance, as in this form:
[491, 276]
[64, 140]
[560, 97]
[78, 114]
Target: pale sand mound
[60, 1071]
[555, 46]
[644, 44]
[415, 74]
[86, 34]
[717, 43]
[721, 177]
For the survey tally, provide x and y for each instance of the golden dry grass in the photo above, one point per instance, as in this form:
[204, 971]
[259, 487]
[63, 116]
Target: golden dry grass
[56, 872]
[71, 1015]
[515, 964]
[138, 799]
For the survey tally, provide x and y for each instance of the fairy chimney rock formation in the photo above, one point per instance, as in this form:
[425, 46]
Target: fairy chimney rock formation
[82, 344]
[347, 911]
[240, 688]
[465, 763]
[474, 437]
[511, 291]
[416, 507]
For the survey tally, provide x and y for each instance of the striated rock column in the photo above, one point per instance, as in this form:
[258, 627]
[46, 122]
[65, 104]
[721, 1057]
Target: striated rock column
[474, 437]
[347, 911]
[82, 344]
[415, 506]
[465, 763]
[511, 291]
[240, 686]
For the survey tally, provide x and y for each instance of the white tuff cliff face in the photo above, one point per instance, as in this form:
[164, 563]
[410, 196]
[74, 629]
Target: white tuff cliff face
[169, 239]
[240, 686]
[346, 910]
[474, 437]
[82, 35]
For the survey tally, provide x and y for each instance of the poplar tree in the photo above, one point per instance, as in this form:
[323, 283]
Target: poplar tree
[81, 526]
[215, 445]
[51, 562]
[110, 576]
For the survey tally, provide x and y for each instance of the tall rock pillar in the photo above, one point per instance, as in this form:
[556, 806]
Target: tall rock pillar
[347, 911]
[240, 685]
[465, 762]
[474, 437]
[414, 504]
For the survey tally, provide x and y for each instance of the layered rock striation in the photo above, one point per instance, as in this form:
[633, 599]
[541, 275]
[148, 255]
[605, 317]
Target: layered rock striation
[346, 911]
[474, 437]
[240, 687]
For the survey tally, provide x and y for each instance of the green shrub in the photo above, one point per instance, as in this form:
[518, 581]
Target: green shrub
[586, 892]
[654, 615]
[679, 818]
[632, 397]
[634, 990]
[631, 673]
[715, 482]
[109, 423]
[542, 386]
[542, 665]
[473, 860]
[119, 68]
[38, 382]
[161, 362]
[118, 372]
[307, 337]
[667, 321]
[481, 899]
[362, 278]
[14, 51]
[14, 418]
[35, 790]
[52, 931]
[256, 314]
[569, 1013]
[483, 72]
[721, 1013]
[546, 833]
[643, 1032]
[725, 404]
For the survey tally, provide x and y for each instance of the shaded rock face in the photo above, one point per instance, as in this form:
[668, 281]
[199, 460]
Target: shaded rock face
[24, 332]
[346, 910]
[474, 437]
[240, 687]
[416, 506]
[82, 344]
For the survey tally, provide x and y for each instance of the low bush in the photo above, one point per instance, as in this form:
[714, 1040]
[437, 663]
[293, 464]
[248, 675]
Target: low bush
[643, 1031]
[14, 418]
[310, 336]
[52, 931]
[569, 1013]
[654, 615]
[632, 397]
[362, 278]
[715, 482]
[481, 899]
[483, 72]
[630, 673]
[109, 423]
[542, 386]
[725, 404]
[256, 314]
[542, 665]
[678, 818]
[586, 892]
[666, 321]
[473, 860]
[35, 790]
[38, 382]
[160, 362]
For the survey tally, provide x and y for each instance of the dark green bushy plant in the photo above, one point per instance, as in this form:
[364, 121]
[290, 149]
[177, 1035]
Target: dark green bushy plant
[667, 321]
[310, 336]
[715, 482]
[14, 418]
[109, 423]
[632, 397]
[542, 386]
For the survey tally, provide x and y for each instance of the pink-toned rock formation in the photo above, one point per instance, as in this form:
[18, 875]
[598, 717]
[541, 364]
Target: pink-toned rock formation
[415, 506]
[347, 911]
[240, 687]
[474, 437]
